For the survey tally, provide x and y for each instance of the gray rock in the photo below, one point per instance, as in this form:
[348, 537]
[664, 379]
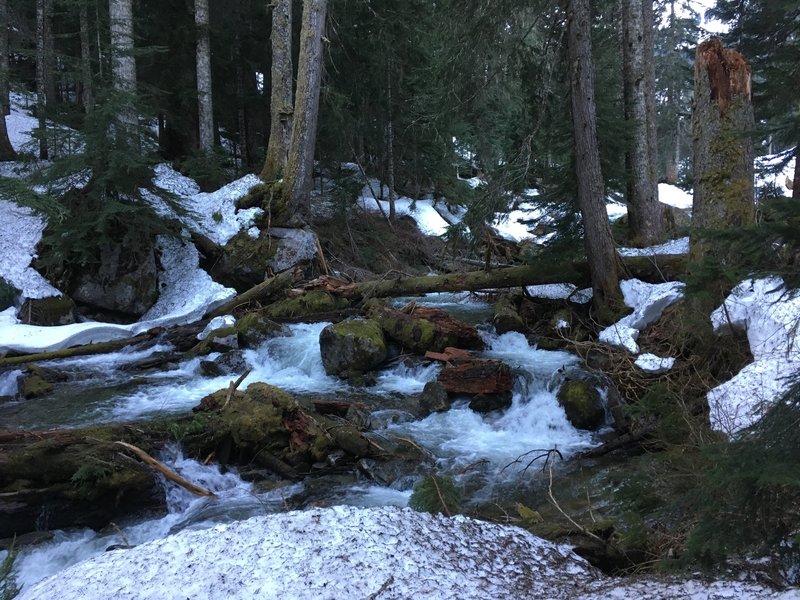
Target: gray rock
[433, 398]
[54, 310]
[293, 246]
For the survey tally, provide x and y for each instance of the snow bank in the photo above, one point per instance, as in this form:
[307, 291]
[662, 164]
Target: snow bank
[679, 246]
[341, 552]
[347, 552]
[20, 230]
[648, 301]
[770, 316]
[428, 219]
[560, 291]
[674, 196]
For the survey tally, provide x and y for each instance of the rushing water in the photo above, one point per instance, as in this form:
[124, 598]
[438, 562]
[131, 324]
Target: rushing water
[101, 390]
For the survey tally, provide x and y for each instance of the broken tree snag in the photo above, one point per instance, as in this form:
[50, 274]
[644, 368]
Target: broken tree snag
[165, 471]
[722, 117]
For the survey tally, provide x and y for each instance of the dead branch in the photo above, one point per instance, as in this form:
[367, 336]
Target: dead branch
[165, 471]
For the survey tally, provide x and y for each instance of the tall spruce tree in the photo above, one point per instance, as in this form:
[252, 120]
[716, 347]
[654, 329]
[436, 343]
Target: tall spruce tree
[281, 96]
[600, 250]
[205, 105]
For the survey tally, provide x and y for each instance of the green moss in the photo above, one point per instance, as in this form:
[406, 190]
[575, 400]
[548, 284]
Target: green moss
[582, 403]
[310, 303]
[35, 386]
[414, 335]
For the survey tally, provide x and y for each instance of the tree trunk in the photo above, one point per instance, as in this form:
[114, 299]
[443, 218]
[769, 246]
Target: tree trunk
[123, 63]
[300, 165]
[644, 212]
[41, 107]
[87, 96]
[6, 149]
[281, 100]
[205, 108]
[5, 104]
[722, 116]
[796, 179]
[599, 244]
[390, 144]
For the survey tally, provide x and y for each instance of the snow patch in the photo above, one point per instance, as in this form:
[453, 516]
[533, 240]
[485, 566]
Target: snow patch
[770, 315]
[217, 323]
[561, 291]
[679, 246]
[675, 196]
[648, 301]
[654, 364]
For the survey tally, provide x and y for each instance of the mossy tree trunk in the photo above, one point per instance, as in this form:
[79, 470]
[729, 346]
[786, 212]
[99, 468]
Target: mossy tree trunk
[600, 251]
[5, 106]
[722, 116]
[300, 165]
[42, 8]
[645, 214]
[281, 100]
[205, 107]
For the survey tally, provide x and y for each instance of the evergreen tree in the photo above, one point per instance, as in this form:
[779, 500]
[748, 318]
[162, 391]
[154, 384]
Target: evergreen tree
[281, 100]
[204, 97]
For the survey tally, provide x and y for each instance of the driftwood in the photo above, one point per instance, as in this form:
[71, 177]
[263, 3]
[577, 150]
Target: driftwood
[263, 291]
[165, 471]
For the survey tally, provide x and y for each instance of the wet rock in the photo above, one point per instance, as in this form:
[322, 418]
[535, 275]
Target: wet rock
[428, 329]
[433, 398]
[228, 363]
[352, 347]
[209, 368]
[124, 281]
[38, 381]
[449, 355]
[506, 316]
[582, 403]
[484, 403]
[55, 310]
[254, 329]
[477, 376]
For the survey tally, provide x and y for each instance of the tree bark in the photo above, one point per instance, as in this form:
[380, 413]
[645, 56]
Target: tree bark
[87, 96]
[599, 244]
[123, 63]
[5, 104]
[41, 75]
[644, 212]
[205, 107]
[722, 116]
[7, 151]
[300, 165]
[390, 143]
[796, 179]
[260, 292]
[281, 99]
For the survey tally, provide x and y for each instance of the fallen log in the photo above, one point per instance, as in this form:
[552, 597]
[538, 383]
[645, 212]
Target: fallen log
[85, 350]
[165, 471]
[259, 293]
[647, 268]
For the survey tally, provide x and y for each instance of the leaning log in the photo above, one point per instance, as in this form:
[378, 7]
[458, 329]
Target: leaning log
[85, 350]
[260, 293]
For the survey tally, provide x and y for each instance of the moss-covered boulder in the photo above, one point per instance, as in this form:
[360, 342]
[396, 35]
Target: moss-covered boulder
[352, 347]
[243, 261]
[54, 310]
[506, 316]
[254, 328]
[38, 381]
[582, 403]
[427, 329]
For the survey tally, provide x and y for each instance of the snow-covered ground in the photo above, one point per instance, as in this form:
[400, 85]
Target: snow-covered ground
[770, 315]
[346, 552]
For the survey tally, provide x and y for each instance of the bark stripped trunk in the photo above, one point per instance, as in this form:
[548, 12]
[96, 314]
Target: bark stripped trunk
[87, 95]
[722, 114]
[644, 212]
[281, 100]
[123, 63]
[600, 250]
[41, 107]
[300, 166]
[205, 108]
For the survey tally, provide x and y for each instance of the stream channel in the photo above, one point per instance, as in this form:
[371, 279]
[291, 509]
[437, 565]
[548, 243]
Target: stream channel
[101, 390]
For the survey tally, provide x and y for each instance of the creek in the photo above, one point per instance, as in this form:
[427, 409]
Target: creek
[480, 449]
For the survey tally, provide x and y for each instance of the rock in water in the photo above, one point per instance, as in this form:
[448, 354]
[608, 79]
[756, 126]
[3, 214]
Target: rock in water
[582, 403]
[352, 347]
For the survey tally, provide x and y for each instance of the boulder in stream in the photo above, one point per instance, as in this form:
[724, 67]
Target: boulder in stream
[428, 329]
[582, 403]
[352, 347]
